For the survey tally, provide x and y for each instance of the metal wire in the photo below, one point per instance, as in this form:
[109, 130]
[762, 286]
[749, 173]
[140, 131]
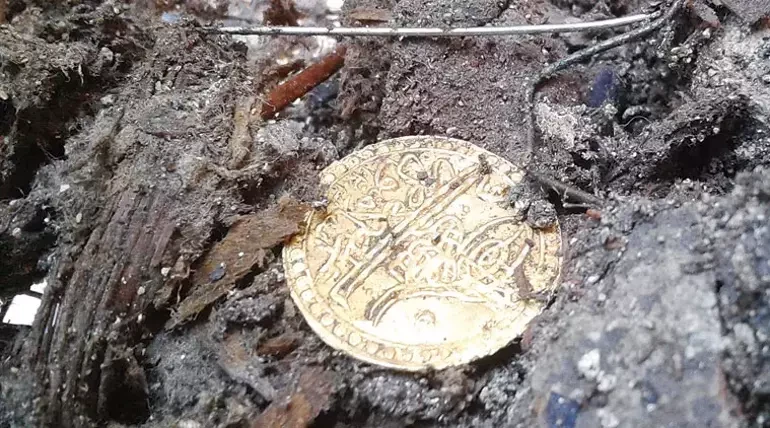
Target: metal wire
[570, 60]
[435, 31]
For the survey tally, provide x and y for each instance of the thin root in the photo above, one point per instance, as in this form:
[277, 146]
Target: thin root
[550, 71]
[582, 55]
[567, 192]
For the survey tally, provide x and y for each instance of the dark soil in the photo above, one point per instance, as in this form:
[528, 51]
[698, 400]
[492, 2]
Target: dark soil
[131, 149]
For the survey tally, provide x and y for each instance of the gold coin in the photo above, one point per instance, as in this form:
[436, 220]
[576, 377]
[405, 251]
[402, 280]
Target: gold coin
[418, 260]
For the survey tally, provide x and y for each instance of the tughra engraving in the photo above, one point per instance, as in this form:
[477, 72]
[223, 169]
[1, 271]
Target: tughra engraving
[417, 261]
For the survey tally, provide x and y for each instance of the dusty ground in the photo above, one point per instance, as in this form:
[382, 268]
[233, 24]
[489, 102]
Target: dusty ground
[131, 167]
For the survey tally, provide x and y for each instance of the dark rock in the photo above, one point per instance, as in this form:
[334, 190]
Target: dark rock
[649, 393]
[561, 412]
[604, 89]
[218, 273]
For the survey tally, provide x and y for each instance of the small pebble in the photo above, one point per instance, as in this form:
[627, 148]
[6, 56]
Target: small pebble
[650, 395]
[607, 383]
[170, 17]
[589, 364]
[108, 100]
[217, 273]
[561, 412]
[607, 419]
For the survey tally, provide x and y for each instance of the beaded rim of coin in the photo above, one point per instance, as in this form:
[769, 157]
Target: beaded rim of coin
[397, 272]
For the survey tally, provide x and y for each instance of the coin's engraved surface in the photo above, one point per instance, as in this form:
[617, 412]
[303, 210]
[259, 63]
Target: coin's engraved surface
[417, 260]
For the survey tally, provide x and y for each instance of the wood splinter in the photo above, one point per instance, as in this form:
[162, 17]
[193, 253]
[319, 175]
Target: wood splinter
[302, 83]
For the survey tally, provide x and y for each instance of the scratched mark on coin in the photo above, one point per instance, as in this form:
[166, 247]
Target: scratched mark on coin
[418, 260]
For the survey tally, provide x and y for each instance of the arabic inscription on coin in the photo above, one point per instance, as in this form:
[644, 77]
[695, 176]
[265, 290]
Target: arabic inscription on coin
[418, 260]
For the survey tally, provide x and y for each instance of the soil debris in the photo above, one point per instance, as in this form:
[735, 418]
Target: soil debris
[237, 360]
[123, 391]
[244, 248]
[282, 12]
[366, 15]
[706, 13]
[301, 405]
[280, 346]
[240, 140]
[750, 11]
[24, 235]
[741, 242]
